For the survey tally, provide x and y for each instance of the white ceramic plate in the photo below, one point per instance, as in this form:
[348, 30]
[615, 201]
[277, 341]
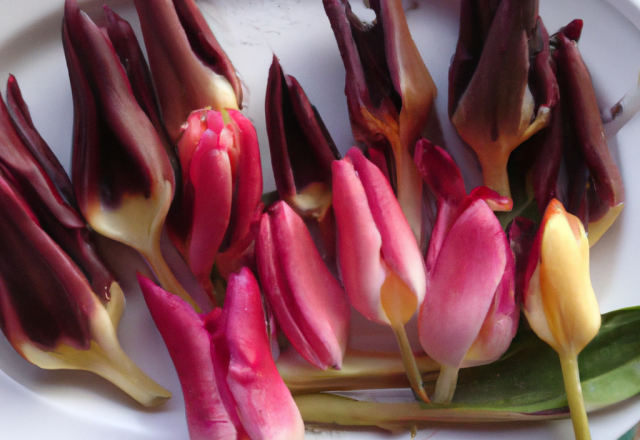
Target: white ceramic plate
[62, 405]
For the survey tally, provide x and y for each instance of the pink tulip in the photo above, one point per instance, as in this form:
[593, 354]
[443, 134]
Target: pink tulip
[469, 314]
[381, 266]
[310, 305]
[221, 189]
[230, 382]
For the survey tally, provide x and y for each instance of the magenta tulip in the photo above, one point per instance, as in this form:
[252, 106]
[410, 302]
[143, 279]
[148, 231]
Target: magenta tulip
[381, 266]
[310, 305]
[469, 315]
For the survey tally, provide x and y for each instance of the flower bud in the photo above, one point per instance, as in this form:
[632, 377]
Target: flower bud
[190, 69]
[310, 305]
[221, 189]
[559, 301]
[48, 311]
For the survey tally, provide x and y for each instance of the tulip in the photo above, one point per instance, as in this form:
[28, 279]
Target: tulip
[121, 174]
[469, 315]
[32, 168]
[559, 301]
[389, 92]
[490, 101]
[190, 69]
[310, 305]
[221, 187]
[230, 382]
[301, 147]
[598, 199]
[381, 266]
[48, 311]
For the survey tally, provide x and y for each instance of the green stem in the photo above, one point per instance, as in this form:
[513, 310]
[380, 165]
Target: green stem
[409, 362]
[360, 370]
[446, 384]
[164, 274]
[571, 376]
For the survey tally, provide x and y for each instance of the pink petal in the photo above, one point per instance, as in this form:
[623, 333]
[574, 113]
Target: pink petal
[265, 405]
[462, 285]
[208, 414]
[440, 172]
[501, 323]
[359, 243]
[310, 305]
[399, 247]
[210, 175]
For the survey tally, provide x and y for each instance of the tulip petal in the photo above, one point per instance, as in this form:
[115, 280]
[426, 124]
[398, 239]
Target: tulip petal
[23, 124]
[190, 69]
[266, 407]
[310, 305]
[211, 179]
[209, 414]
[132, 58]
[475, 247]
[399, 248]
[359, 243]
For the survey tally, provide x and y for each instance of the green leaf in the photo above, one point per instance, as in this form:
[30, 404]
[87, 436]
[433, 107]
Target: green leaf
[525, 384]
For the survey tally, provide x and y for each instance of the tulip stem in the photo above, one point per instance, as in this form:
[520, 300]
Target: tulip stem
[165, 277]
[360, 370]
[571, 376]
[409, 362]
[446, 384]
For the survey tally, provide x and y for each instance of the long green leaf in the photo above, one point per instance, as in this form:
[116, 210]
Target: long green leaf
[526, 384]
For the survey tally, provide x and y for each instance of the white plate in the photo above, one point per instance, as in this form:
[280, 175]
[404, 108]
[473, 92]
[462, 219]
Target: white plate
[74, 405]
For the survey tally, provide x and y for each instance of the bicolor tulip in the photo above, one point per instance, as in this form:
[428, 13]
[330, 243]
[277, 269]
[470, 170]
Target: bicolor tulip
[230, 382]
[559, 301]
[596, 192]
[301, 147]
[308, 302]
[30, 166]
[389, 92]
[469, 315]
[221, 189]
[121, 173]
[48, 310]
[491, 103]
[302, 151]
[190, 69]
[380, 264]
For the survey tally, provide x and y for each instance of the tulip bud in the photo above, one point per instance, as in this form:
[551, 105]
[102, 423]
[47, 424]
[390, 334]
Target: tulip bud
[48, 311]
[32, 168]
[469, 315]
[310, 305]
[389, 92]
[230, 382]
[596, 192]
[301, 147]
[379, 260]
[559, 301]
[221, 189]
[190, 69]
[121, 173]
[490, 101]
